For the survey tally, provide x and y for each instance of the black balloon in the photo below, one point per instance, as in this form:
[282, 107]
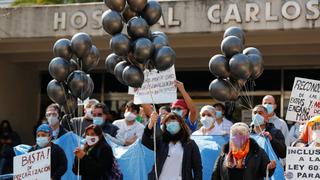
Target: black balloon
[116, 5]
[159, 41]
[73, 66]
[240, 67]
[137, 5]
[142, 50]
[118, 70]
[70, 105]
[90, 61]
[219, 66]
[56, 92]
[220, 90]
[252, 50]
[62, 48]
[138, 27]
[234, 94]
[231, 45]
[112, 22]
[256, 63]
[89, 90]
[81, 44]
[111, 61]
[235, 31]
[120, 44]
[78, 83]
[158, 33]
[152, 12]
[133, 76]
[59, 68]
[164, 58]
[127, 14]
[238, 83]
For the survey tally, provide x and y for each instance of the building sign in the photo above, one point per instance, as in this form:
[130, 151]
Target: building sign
[179, 16]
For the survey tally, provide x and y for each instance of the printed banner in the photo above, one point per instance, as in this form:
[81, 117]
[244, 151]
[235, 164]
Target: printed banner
[303, 163]
[304, 102]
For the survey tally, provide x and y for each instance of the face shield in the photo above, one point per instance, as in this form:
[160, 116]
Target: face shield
[311, 131]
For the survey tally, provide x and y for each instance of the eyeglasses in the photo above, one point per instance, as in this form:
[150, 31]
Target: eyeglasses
[176, 109]
[48, 114]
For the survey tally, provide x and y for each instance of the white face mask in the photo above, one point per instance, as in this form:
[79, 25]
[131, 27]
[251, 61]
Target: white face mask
[129, 116]
[89, 113]
[53, 120]
[207, 121]
[91, 140]
[316, 136]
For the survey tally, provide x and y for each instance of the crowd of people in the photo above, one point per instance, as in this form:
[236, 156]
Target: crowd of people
[178, 156]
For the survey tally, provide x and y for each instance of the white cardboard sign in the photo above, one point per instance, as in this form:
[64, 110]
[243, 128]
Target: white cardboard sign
[304, 102]
[157, 88]
[32, 166]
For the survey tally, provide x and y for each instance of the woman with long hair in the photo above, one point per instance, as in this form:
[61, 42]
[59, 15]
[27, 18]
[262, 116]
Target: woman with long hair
[178, 156]
[96, 157]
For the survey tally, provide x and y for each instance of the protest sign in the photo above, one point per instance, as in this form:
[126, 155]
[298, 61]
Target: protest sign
[158, 87]
[32, 166]
[304, 102]
[303, 163]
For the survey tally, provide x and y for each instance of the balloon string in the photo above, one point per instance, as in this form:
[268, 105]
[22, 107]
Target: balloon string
[154, 131]
[235, 89]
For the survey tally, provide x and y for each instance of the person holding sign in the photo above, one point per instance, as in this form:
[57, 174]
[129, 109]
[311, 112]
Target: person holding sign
[311, 133]
[96, 158]
[208, 118]
[242, 157]
[58, 159]
[269, 103]
[185, 107]
[262, 127]
[178, 156]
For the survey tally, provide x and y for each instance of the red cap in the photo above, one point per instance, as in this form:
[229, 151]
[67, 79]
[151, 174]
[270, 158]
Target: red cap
[180, 102]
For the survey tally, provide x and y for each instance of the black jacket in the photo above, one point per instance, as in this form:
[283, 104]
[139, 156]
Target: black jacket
[59, 162]
[110, 129]
[62, 131]
[191, 162]
[278, 142]
[255, 164]
[96, 164]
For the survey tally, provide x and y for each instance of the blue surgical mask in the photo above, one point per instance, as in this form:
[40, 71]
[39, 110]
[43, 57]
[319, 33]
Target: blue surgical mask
[42, 141]
[98, 121]
[258, 120]
[178, 112]
[219, 114]
[269, 108]
[173, 127]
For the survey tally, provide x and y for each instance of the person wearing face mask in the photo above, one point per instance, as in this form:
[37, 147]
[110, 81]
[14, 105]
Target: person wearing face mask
[242, 157]
[208, 117]
[310, 135]
[178, 156]
[99, 116]
[53, 112]
[58, 159]
[262, 127]
[269, 103]
[185, 107]
[79, 124]
[96, 157]
[222, 125]
[129, 129]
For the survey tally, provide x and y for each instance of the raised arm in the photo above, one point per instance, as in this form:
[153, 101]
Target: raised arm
[191, 106]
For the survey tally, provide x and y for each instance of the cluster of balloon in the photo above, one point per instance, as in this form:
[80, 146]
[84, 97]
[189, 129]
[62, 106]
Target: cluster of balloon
[73, 60]
[140, 48]
[234, 67]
